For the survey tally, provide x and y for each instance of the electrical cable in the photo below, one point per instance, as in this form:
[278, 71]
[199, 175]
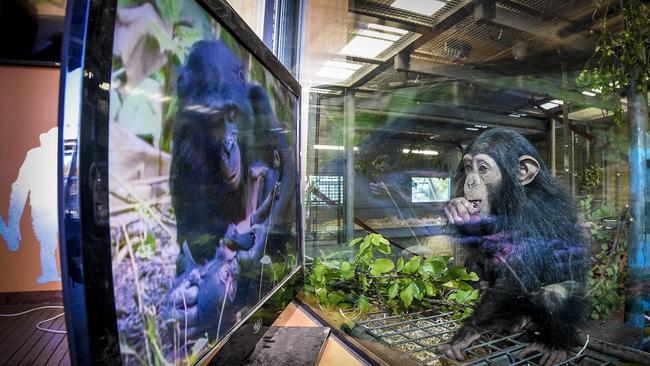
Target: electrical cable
[583, 347]
[38, 326]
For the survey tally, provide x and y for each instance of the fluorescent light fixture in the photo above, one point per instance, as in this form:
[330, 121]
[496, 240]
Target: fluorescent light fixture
[549, 105]
[385, 28]
[517, 115]
[557, 101]
[481, 126]
[420, 152]
[471, 128]
[328, 147]
[379, 35]
[424, 7]
[333, 147]
[366, 47]
[588, 93]
[338, 70]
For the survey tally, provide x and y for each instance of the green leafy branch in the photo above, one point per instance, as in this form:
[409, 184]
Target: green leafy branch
[621, 59]
[605, 277]
[396, 286]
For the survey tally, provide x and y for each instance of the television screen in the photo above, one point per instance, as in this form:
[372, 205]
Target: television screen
[202, 181]
[427, 189]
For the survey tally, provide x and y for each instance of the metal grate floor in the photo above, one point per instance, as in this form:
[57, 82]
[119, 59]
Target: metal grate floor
[416, 336]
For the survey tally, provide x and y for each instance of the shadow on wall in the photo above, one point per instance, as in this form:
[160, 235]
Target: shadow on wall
[39, 166]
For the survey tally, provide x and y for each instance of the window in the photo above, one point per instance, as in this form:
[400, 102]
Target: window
[425, 189]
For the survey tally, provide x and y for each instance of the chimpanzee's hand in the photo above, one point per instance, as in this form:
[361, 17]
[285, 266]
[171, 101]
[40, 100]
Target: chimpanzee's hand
[461, 211]
[550, 356]
[462, 339]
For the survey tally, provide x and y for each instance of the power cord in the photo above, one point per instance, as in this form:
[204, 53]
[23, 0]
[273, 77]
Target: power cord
[39, 325]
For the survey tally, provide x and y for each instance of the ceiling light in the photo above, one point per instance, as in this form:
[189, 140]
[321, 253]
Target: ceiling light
[517, 115]
[333, 147]
[424, 7]
[328, 147]
[588, 93]
[338, 70]
[379, 35]
[385, 28]
[481, 126]
[420, 152]
[549, 105]
[366, 47]
[471, 128]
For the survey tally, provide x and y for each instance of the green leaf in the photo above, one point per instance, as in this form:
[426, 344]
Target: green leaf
[364, 246]
[356, 241]
[382, 265]
[346, 266]
[384, 248]
[335, 297]
[407, 295]
[363, 304]
[428, 289]
[412, 265]
[393, 290]
[400, 264]
[375, 239]
[472, 277]
[451, 284]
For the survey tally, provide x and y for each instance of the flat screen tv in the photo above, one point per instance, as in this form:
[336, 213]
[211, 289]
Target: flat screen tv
[179, 221]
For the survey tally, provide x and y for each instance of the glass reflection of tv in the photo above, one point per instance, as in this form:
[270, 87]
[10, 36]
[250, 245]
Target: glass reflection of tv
[182, 242]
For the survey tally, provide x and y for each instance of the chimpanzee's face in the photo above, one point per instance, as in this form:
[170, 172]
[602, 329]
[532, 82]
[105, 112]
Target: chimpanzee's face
[227, 133]
[482, 177]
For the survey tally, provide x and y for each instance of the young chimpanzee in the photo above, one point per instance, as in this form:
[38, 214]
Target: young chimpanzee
[526, 245]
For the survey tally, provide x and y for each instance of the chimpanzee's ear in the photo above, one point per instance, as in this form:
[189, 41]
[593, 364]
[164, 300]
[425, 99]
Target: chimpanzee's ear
[528, 169]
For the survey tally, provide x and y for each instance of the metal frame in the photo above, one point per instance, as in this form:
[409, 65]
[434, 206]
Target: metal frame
[84, 218]
[417, 335]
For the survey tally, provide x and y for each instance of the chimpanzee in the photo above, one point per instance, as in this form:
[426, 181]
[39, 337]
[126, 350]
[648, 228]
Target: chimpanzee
[527, 247]
[209, 169]
[226, 132]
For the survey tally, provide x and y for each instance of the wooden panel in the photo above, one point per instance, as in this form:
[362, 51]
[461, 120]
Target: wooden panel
[22, 344]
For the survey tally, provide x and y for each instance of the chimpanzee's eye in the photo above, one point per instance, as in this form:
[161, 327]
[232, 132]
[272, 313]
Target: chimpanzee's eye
[468, 167]
[482, 168]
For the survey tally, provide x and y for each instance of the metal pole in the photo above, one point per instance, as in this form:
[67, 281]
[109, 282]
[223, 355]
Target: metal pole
[349, 116]
[553, 147]
[638, 248]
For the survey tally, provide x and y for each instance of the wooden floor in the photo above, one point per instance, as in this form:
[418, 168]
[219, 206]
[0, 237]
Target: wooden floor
[22, 344]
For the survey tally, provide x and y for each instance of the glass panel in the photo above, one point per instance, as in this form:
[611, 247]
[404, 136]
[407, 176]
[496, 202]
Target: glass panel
[277, 23]
[484, 131]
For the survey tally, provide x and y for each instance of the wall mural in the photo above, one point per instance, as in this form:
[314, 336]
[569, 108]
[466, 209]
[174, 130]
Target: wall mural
[40, 165]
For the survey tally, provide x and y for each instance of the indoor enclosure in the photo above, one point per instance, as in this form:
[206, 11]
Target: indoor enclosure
[397, 91]
[439, 182]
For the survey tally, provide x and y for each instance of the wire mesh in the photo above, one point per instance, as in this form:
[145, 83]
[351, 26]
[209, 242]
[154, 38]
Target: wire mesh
[416, 335]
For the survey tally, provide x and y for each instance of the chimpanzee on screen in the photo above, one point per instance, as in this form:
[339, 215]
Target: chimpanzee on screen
[526, 245]
[209, 168]
[232, 184]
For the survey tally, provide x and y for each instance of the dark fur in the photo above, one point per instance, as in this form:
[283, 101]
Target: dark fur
[203, 202]
[531, 241]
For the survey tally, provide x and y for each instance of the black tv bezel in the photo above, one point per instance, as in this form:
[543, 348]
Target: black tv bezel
[88, 284]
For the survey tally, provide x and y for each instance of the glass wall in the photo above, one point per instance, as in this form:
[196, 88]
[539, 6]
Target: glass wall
[395, 93]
